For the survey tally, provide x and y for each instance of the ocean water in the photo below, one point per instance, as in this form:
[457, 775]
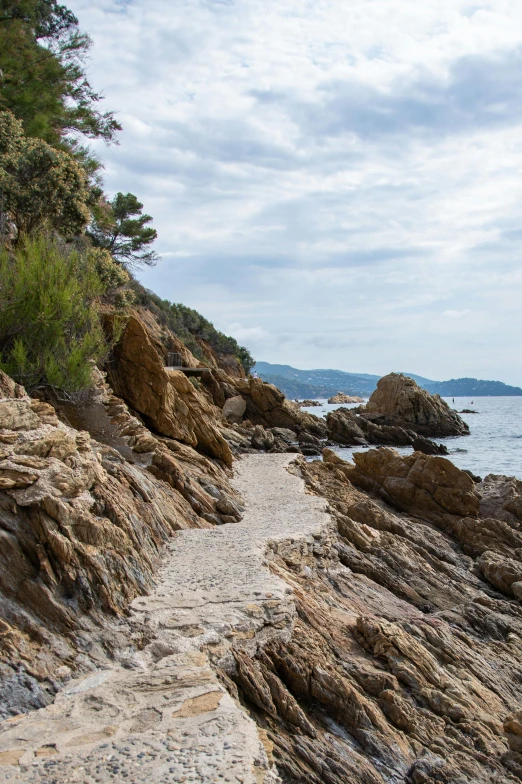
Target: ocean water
[494, 445]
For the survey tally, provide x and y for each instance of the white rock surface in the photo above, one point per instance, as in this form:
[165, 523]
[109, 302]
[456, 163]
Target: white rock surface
[165, 717]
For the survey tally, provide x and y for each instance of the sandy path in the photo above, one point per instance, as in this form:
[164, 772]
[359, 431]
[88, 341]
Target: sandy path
[164, 717]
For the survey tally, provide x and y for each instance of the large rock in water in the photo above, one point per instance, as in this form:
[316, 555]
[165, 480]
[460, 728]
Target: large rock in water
[344, 399]
[397, 414]
[398, 400]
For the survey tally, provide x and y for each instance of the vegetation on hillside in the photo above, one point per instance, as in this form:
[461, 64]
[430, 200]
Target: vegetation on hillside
[65, 247]
[120, 227]
[189, 326]
[44, 81]
[50, 328]
[40, 186]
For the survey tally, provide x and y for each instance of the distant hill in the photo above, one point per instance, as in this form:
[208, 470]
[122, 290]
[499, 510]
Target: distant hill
[316, 383]
[312, 384]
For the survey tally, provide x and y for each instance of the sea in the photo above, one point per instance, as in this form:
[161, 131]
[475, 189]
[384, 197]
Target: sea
[494, 445]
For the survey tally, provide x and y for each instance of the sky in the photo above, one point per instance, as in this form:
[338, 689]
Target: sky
[335, 183]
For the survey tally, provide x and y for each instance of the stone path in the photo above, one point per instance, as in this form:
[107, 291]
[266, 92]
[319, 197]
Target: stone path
[163, 716]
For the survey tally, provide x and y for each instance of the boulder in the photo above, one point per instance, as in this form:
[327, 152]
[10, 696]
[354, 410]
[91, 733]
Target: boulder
[351, 428]
[420, 484]
[234, 409]
[421, 444]
[500, 571]
[398, 400]
[345, 428]
[344, 399]
[267, 406]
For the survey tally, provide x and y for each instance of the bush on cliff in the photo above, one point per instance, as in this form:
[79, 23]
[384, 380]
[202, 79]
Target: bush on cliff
[121, 228]
[39, 185]
[50, 329]
[188, 325]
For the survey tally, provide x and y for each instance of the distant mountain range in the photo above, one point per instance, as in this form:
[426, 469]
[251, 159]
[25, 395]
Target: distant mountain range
[301, 384]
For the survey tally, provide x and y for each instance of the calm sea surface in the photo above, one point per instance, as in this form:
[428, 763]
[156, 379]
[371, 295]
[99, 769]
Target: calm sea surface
[495, 443]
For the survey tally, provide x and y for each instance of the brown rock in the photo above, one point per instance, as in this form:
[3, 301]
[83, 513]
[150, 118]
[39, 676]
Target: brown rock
[398, 400]
[267, 406]
[343, 399]
[417, 483]
[166, 399]
[234, 409]
[500, 571]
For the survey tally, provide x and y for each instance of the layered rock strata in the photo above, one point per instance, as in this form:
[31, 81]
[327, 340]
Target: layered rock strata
[162, 715]
[202, 412]
[404, 659]
[82, 525]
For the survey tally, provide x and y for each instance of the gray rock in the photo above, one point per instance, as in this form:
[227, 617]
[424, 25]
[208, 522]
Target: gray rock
[234, 409]
[227, 506]
[290, 436]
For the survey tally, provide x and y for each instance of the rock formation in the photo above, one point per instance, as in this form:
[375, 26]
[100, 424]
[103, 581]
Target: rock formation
[399, 413]
[343, 399]
[402, 665]
[384, 647]
[166, 399]
[398, 400]
[82, 524]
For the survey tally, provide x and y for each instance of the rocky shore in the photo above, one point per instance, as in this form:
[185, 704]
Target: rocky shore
[399, 413]
[175, 607]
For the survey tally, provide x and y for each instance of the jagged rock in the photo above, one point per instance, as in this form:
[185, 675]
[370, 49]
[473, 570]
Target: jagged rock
[267, 406]
[81, 531]
[261, 438]
[234, 409]
[343, 399]
[421, 444]
[500, 571]
[9, 388]
[166, 399]
[285, 434]
[399, 413]
[308, 403]
[417, 483]
[398, 400]
[345, 428]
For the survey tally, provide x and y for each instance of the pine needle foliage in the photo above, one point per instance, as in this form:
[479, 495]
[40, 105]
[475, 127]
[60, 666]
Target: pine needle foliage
[50, 328]
[39, 185]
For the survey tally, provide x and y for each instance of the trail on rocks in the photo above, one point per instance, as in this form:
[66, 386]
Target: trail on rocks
[163, 716]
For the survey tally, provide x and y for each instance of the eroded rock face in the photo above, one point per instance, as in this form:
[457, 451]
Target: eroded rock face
[267, 406]
[167, 400]
[398, 400]
[81, 531]
[402, 665]
[417, 483]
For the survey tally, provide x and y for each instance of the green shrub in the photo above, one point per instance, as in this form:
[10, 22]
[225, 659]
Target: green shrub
[40, 186]
[50, 329]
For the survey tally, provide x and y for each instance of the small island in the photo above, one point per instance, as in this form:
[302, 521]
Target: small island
[343, 399]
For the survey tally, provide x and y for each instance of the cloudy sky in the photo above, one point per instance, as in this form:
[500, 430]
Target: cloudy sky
[336, 183]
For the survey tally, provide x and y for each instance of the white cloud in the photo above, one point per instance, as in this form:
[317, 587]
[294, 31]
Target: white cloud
[455, 314]
[328, 177]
